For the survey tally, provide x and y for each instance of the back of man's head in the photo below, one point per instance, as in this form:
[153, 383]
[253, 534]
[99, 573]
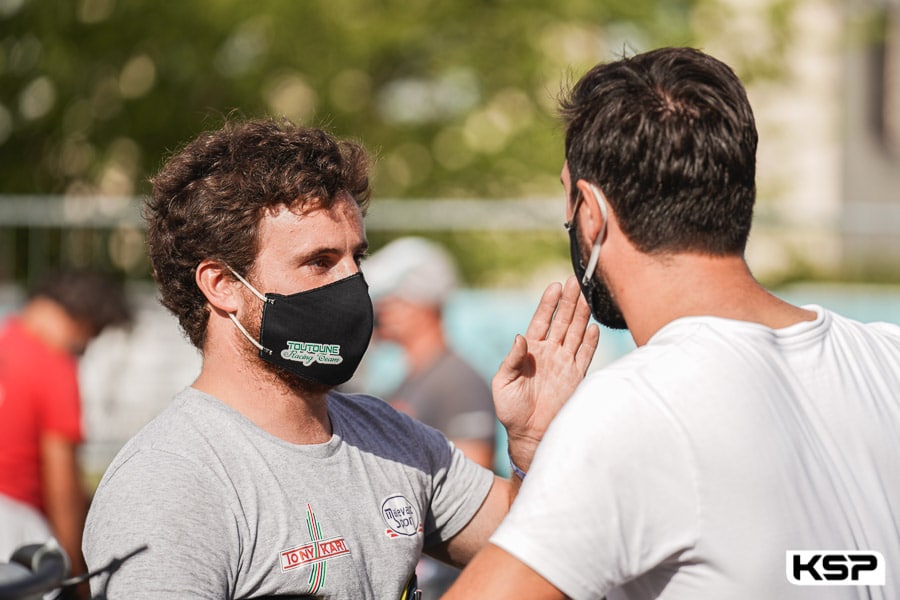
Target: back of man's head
[89, 297]
[670, 139]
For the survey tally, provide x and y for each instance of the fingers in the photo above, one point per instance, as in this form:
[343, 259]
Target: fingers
[576, 332]
[543, 315]
[585, 353]
[565, 309]
[561, 316]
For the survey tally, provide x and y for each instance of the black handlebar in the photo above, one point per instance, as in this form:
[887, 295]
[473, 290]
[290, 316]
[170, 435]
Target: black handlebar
[45, 568]
[36, 569]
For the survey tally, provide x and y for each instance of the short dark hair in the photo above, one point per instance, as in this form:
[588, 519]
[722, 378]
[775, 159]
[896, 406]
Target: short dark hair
[670, 138]
[208, 199]
[89, 297]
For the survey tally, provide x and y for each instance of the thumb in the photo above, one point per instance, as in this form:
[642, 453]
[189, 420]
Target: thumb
[514, 363]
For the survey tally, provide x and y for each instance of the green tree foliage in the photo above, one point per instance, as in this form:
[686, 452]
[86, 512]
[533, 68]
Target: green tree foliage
[454, 98]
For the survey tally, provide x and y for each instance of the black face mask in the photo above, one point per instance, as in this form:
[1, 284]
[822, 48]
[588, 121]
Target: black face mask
[597, 293]
[320, 334]
[594, 290]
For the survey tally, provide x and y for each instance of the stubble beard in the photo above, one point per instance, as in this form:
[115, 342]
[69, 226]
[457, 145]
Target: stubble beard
[599, 295]
[278, 375]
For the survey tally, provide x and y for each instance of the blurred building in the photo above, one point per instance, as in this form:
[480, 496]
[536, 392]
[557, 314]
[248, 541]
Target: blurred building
[870, 126]
[829, 155]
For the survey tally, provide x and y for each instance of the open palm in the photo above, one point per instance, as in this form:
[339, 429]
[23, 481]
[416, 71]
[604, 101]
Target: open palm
[544, 367]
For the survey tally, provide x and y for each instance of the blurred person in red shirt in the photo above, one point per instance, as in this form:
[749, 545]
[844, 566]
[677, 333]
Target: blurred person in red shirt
[41, 493]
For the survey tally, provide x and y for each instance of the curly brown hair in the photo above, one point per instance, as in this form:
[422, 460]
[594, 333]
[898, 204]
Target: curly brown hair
[208, 199]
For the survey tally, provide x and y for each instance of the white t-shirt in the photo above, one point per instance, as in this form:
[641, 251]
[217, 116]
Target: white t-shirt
[689, 468]
[20, 525]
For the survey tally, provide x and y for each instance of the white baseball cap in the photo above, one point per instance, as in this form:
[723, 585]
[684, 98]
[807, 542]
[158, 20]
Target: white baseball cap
[412, 268]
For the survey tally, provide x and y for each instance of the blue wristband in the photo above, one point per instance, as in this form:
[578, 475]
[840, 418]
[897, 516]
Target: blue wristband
[518, 472]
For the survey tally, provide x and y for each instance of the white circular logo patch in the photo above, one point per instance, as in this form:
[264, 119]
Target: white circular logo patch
[400, 516]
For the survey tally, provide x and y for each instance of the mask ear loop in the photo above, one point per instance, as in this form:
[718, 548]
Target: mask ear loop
[595, 249]
[247, 283]
[234, 319]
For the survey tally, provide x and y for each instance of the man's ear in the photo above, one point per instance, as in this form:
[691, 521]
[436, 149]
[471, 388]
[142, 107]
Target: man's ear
[218, 285]
[594, 218]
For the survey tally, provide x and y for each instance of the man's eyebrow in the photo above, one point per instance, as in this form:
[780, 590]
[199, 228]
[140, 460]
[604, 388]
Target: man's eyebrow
[360, 248]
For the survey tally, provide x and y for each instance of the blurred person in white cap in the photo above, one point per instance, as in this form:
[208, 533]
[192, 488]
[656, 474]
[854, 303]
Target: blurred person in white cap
[410, 280]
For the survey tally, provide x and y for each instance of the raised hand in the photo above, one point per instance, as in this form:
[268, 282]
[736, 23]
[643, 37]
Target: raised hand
[544, 367]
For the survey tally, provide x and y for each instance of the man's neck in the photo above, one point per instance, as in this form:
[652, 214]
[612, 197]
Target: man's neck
[655, 291]
[296, 416]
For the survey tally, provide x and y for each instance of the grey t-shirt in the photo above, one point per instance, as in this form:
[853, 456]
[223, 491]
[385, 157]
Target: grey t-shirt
[450, 396]
[229, 511]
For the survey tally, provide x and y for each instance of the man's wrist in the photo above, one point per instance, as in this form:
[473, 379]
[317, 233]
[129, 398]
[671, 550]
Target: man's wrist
[515, 469]
[520, 451]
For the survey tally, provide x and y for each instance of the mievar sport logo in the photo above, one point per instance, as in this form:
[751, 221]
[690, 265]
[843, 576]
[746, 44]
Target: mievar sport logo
[400, 516]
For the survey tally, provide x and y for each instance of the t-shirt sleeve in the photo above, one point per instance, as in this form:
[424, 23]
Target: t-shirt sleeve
[459, 487]
[610, 494]
[171, 506]
[60, 400]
